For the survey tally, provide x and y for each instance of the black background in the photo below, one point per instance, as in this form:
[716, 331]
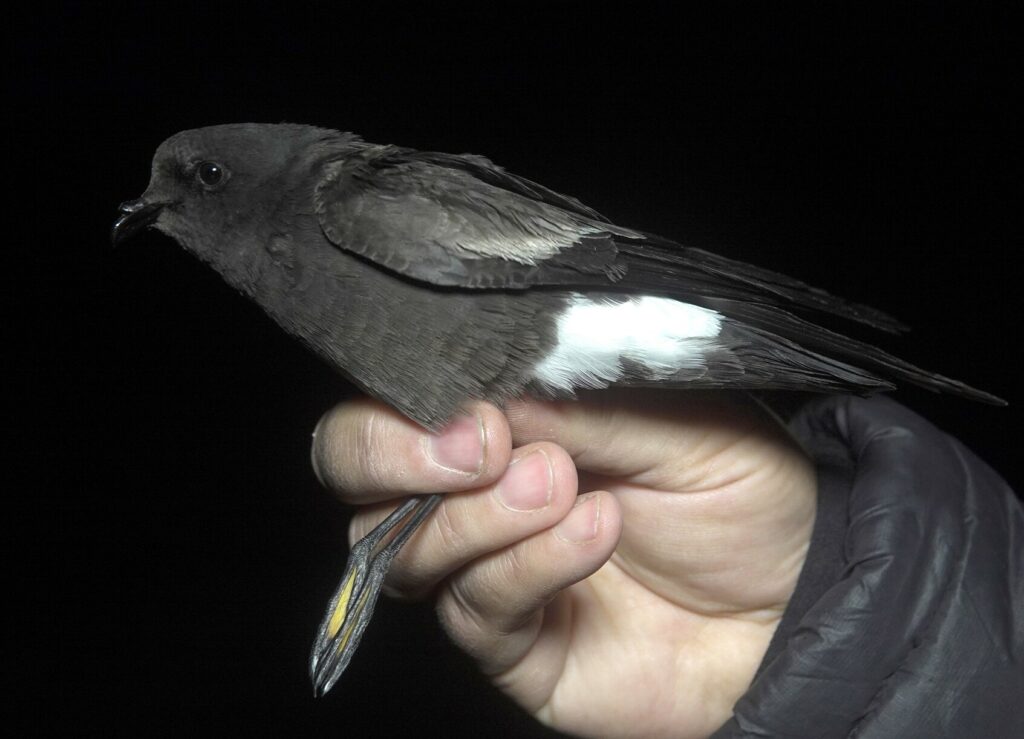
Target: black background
[171, 550]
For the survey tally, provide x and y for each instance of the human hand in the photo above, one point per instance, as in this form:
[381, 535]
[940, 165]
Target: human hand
[617, 565]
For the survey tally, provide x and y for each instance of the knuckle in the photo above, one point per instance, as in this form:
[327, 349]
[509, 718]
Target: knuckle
[350, 451]
[451, 540]
[459, 618]
[332, 450]
[513, 569]
[368, 470]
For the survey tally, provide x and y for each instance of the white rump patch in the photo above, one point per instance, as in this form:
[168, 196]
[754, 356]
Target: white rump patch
[662, 335]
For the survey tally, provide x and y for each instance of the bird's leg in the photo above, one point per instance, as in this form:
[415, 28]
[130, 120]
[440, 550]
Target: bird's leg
[351, 607]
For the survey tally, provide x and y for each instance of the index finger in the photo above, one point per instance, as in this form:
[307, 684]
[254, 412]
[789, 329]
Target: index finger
[366, 451]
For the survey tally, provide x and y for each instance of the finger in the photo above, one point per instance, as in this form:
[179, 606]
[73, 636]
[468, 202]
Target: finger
[536, 491]
[650, 437]
[493, 607]
[737, 537]
[366, 451]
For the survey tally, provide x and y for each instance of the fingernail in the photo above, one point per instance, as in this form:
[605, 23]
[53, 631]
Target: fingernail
[460, 446]
[581, 524]
[527, 484]
[314, 451]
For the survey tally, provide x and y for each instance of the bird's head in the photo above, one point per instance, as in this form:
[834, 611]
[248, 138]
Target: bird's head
[211, 185]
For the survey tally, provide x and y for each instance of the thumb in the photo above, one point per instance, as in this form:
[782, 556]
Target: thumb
[660, 439]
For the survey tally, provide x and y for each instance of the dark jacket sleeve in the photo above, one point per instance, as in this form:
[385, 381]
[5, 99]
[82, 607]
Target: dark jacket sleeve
[908, 618]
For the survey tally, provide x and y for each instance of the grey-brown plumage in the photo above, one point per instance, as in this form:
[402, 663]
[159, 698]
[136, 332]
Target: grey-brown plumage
[432, 279]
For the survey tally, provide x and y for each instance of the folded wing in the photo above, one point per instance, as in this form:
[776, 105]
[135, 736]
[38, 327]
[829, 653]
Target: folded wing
[461, 221]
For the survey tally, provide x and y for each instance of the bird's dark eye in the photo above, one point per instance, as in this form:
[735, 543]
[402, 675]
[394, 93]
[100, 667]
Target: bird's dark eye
[210, 174]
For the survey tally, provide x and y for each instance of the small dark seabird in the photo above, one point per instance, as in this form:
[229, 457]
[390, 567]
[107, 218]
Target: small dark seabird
[434, 279]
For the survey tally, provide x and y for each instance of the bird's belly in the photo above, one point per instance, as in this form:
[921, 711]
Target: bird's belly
[424, 351]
